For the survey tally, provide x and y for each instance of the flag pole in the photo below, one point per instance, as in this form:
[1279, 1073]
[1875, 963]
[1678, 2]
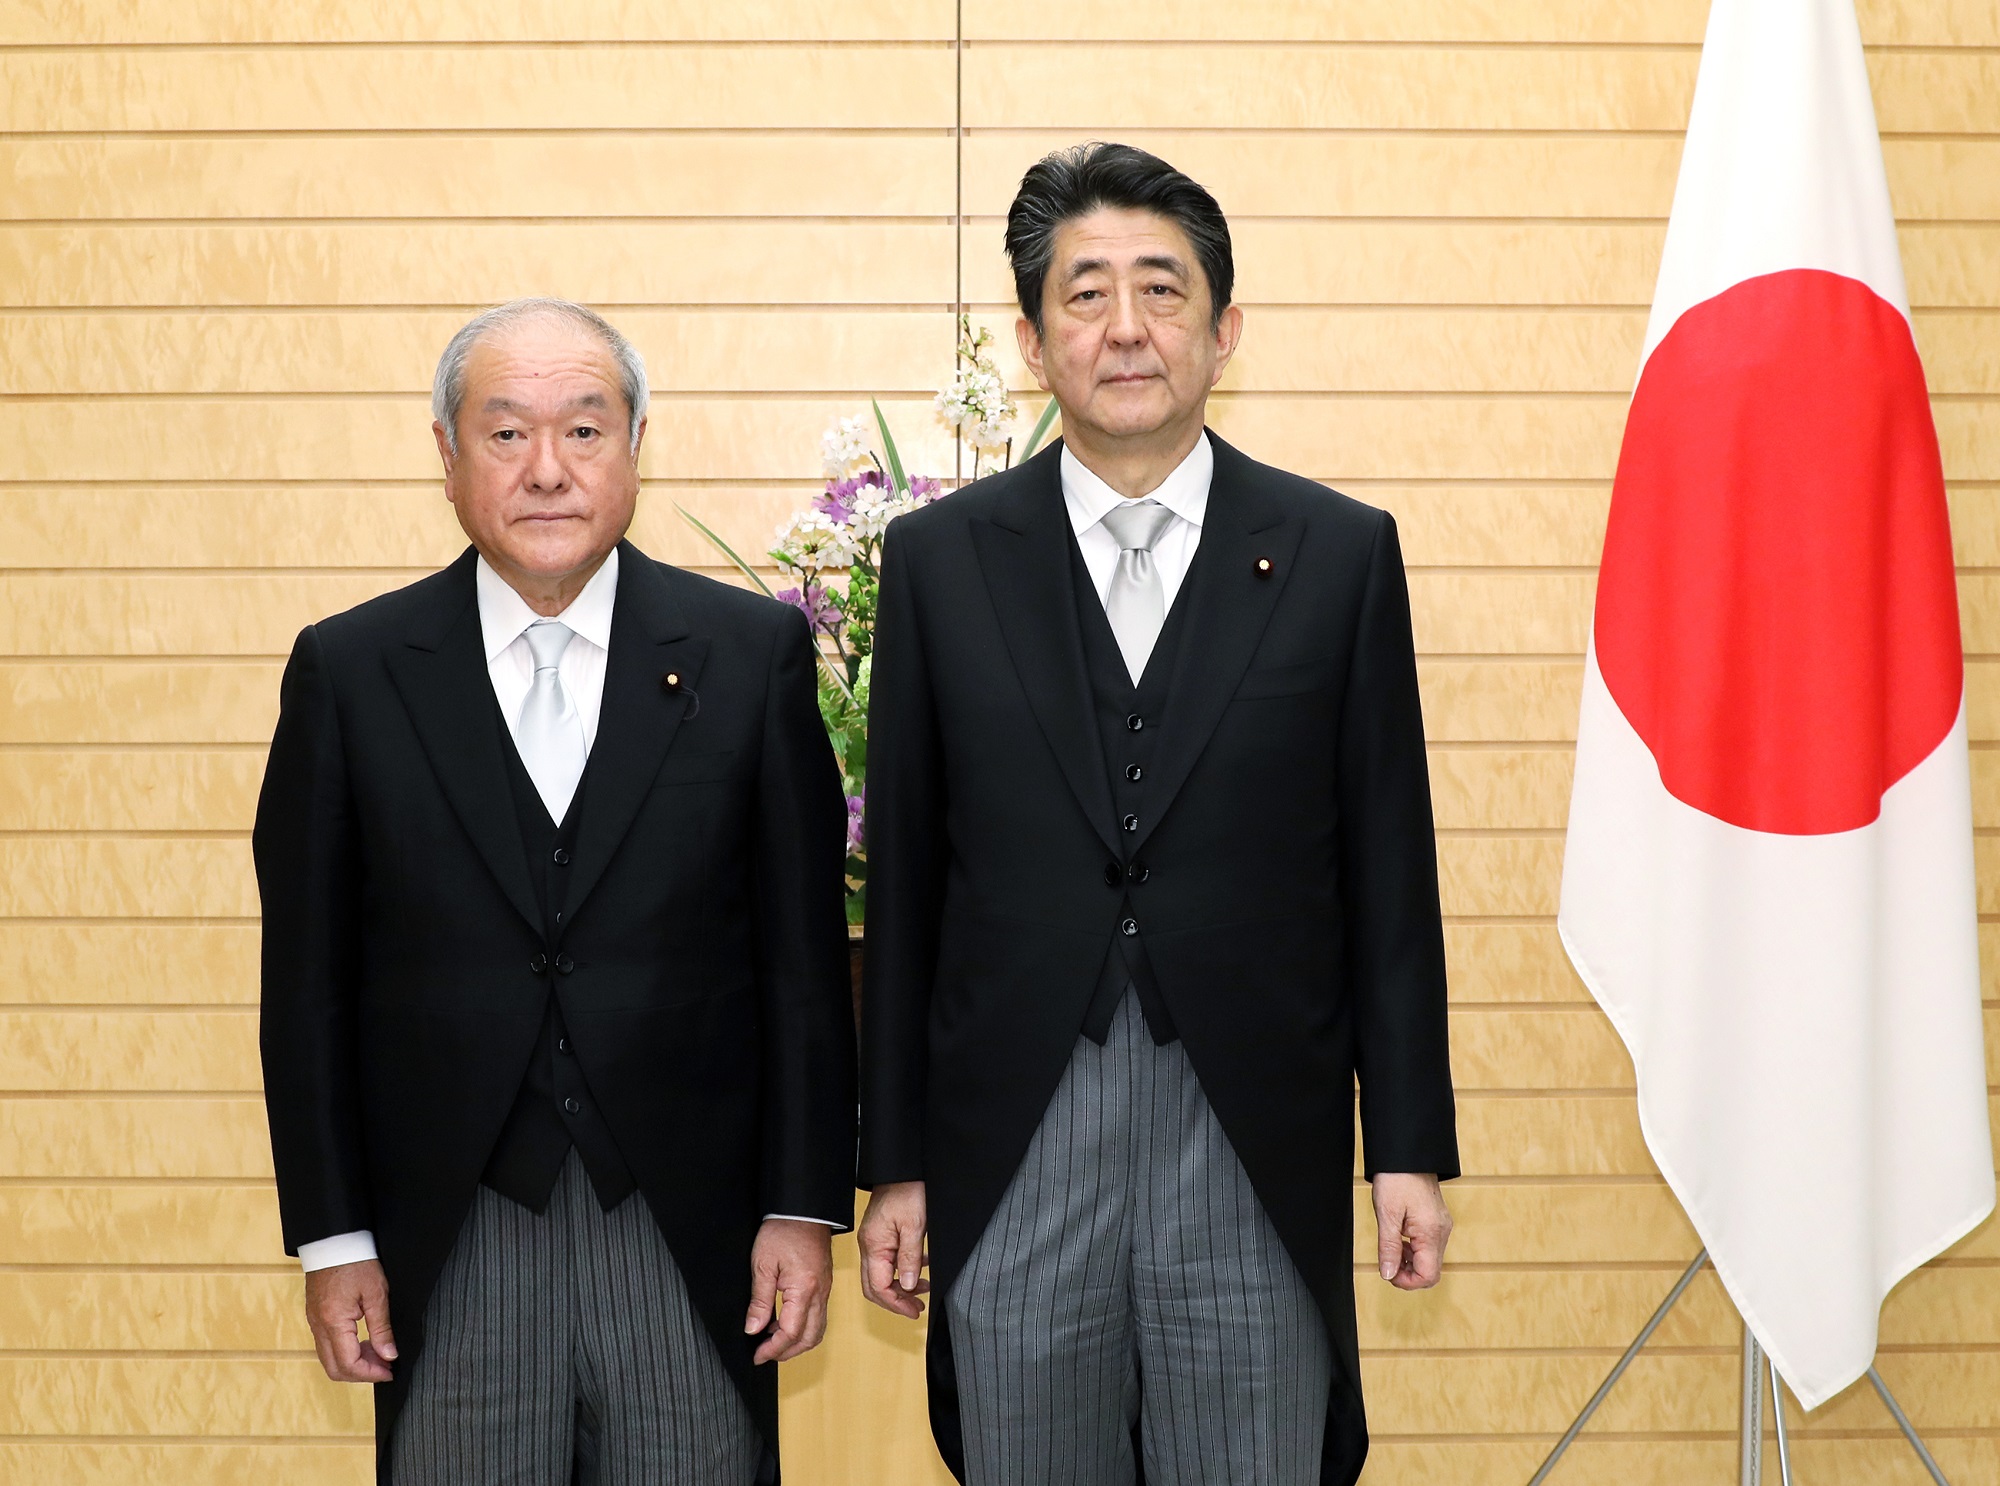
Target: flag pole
[1755, 1364]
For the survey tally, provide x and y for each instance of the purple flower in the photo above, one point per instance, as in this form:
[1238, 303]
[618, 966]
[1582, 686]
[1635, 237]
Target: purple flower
[837, 501]
[815, 603]
[856, 805]
[924, 490]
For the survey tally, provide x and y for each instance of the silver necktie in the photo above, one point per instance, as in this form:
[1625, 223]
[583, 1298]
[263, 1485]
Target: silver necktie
[550, 733]
[1137, 602]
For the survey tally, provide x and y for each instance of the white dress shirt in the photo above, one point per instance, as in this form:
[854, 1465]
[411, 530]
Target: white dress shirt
[1184, 492]
[504, 618]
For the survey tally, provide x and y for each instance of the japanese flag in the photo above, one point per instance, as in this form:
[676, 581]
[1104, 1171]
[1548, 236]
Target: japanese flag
[1769, 878]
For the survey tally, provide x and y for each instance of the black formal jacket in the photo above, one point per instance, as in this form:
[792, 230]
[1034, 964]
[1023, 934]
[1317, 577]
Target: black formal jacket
[1290, 912]
[701, 971]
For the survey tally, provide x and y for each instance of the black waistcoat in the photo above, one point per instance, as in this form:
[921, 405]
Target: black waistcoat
[1128, 720]
[554, 1109]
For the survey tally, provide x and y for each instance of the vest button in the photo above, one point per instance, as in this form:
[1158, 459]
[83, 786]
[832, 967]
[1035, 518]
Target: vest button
[562, 1044]
[570, 1106]
[1134, 723]
[562, 857]
[1130, 822]
[1129, 927]
[1139, 872]
[1113, 874]
[565, 964]
[539, 964]
[1134, 773]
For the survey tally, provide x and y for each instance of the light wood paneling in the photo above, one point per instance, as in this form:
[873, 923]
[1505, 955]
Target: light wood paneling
[1082, 89]
[228, 257]
[490, 175]
[216, 22]
[88, 1136]
[199, 265]
[457, 88]
[1513, 22]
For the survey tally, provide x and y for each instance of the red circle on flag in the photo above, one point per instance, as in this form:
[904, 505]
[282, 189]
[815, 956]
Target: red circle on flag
[1776, 611]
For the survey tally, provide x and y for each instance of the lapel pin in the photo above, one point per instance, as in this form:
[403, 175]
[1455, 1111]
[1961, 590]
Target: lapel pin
[1265, 567]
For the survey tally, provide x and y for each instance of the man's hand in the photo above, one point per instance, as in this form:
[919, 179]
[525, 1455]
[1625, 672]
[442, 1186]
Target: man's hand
[336, 1299]
[892, 1248]
[795, 1260]
[1412, 1226]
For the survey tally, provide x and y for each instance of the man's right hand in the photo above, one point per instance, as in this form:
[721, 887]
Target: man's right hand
[338, 1298]
[892, 1248]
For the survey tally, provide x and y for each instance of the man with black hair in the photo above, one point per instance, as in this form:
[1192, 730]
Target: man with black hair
[1152, 882]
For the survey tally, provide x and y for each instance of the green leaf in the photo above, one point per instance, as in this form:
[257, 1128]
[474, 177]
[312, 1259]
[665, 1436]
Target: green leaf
[1041, 431]
[900, 480]
[726, 550]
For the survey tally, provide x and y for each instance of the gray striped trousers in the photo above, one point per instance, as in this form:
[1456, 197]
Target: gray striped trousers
[1131, 1278]
[562, 1348]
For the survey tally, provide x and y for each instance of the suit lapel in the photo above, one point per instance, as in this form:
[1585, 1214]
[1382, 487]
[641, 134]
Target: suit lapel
[1230, 606]
[639, 719]
[1024, 554]
[440, 672]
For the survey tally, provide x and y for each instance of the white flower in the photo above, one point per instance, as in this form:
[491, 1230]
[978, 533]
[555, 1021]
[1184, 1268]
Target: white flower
[977, 408]
[813, 542]
[843, 446]
[873, 509]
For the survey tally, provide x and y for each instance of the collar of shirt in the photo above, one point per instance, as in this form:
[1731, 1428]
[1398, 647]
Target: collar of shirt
[1184, 492]
[504, 615]
[504, 620]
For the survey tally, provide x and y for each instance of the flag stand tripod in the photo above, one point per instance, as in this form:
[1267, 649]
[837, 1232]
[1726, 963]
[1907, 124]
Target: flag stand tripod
[1758, 1373]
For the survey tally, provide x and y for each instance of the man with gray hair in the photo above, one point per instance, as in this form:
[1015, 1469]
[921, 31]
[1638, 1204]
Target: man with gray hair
[556, 1028]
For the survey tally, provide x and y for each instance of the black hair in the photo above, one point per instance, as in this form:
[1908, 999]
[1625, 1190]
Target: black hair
[1072, 183]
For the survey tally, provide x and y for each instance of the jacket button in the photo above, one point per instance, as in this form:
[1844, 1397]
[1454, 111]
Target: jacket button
[1113, 874]
[565, 964]
[562, 857]
[1129, 927]
[570, 1106]
[1130, 822]
[1134, 723]
[1134, 773]
[562, 1044]
[539, 964]
[1139, 872]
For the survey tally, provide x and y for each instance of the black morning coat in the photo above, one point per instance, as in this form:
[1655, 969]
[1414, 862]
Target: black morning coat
[701, 970]
[1290, 912]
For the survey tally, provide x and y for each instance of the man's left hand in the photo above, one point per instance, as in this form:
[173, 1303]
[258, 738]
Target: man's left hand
[794, 1260]
[1412, 1226]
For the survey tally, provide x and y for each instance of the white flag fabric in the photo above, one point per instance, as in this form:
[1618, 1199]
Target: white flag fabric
[1769, 877]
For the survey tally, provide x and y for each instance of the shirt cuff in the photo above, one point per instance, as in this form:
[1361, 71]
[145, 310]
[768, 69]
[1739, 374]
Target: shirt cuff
[788, 1218]
[342, 1248]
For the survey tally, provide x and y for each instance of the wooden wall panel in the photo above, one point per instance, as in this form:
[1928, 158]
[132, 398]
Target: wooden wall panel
[232, 240]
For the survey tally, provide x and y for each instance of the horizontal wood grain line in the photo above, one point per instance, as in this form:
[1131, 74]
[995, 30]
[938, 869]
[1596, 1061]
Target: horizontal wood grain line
[461, 88]
[1435, 87]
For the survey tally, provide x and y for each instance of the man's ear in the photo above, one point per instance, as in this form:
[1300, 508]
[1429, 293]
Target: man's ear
[444, 452]
[1228, 334]
[638, 439]
[1030, 341]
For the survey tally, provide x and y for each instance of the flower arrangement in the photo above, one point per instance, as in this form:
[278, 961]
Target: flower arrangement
[832, 553]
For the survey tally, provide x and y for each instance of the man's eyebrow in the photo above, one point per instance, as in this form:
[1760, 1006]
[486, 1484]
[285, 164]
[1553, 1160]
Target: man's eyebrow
[582, 400]
[1166, 262]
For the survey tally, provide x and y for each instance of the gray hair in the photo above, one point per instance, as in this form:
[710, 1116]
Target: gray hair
[448, 386]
